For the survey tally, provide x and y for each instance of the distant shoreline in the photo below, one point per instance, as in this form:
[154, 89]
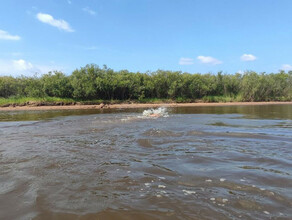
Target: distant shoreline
[136, 105]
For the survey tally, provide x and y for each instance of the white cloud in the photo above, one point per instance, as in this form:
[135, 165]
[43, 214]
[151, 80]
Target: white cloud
[4, 35]
[17, 67]
[186, 61]
[209, 60]
[286, 67]
[248, 57]
[89, 11]
[69, 2]
[23, 67]
[48, 19]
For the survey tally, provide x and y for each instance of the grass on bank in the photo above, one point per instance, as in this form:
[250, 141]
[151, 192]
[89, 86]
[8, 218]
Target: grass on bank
[32, 101]
[22, 101]
[222, 99]
[19, 101]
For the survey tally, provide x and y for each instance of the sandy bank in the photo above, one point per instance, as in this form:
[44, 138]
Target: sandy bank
[136, 105]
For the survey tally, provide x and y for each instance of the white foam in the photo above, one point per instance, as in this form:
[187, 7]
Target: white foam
[188, 192]
[147, 184]
[159, 112]
[224, 200]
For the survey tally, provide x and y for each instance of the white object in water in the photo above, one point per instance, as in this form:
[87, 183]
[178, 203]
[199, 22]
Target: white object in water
[188, 192]
[155, 112]
[147, 184]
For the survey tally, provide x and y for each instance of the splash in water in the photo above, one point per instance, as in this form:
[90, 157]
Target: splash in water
[149, 113]
[159, 112]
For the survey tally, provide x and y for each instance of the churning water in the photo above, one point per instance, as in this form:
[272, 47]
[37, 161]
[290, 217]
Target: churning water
[197, 163]
[159, 112]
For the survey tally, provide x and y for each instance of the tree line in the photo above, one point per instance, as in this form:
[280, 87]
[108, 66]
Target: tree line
[92, 82]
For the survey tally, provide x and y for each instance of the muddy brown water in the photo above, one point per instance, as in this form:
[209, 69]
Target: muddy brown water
[230, 162]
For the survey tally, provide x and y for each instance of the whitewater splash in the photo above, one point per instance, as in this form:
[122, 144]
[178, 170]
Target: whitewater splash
[159, 112]
[147, 114]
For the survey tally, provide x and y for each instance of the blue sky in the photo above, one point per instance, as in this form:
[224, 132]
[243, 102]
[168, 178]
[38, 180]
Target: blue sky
[140, 35]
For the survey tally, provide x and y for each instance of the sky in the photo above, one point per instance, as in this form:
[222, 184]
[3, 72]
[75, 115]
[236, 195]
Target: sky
[195, 36]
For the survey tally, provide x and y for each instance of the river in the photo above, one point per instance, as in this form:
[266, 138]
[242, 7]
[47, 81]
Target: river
[229, 162]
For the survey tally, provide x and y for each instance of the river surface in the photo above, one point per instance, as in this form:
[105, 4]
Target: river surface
[231, 162]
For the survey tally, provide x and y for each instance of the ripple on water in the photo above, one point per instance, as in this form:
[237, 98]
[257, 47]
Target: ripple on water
[180, 167]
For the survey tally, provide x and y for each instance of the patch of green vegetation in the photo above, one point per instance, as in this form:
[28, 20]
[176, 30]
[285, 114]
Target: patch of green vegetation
[153, 100]
[21, 101]
[184, 100]
[94, 85]
[221, 99]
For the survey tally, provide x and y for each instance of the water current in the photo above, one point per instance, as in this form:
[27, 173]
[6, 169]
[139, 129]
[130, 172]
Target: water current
[231, 162]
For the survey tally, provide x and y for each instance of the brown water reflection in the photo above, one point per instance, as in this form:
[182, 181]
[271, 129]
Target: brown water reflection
[198, 163]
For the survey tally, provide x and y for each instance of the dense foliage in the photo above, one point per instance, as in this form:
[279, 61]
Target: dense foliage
[91, 82]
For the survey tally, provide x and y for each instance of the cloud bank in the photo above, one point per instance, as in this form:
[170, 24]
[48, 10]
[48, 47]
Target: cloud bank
[4, 35]
[49, 19]
[286, 67]
[22, 67]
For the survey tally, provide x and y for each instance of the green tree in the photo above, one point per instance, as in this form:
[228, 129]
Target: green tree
[56, 84]
[83, 82]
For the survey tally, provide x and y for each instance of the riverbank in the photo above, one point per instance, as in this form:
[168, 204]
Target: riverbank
[134, 105]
